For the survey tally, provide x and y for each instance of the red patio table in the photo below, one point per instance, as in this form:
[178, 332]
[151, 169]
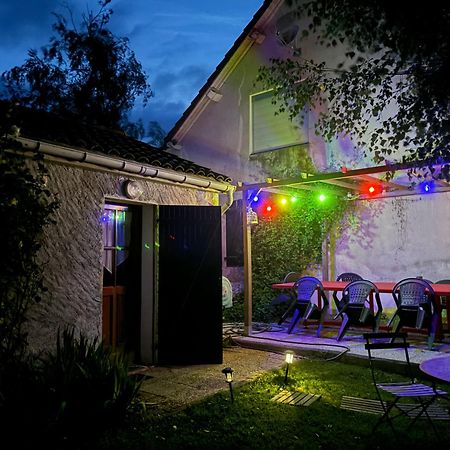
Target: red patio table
[384, 287]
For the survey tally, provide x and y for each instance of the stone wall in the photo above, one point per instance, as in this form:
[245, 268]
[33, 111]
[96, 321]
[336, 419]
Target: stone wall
[72, 252]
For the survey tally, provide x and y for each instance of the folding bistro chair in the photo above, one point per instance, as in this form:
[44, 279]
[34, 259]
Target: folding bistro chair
[304, 307]
[422, 394]
[356, 308]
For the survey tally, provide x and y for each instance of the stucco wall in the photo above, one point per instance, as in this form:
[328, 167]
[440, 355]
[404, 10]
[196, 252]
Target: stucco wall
[219, 136]
[395, 238]
[72, 251]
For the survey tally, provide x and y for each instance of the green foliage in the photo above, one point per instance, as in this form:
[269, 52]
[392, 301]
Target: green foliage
[72, 394]
[26, 207]
[89, 386]
[86, 72]
[392, 53]
[253, 421]
[236, 312]
[291, 241]
[155, 134]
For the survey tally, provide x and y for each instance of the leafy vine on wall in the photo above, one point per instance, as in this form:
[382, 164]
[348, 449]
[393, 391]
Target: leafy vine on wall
[289, 240]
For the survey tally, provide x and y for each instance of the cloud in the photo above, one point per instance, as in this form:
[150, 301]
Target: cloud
[179, 43]
[165, 113]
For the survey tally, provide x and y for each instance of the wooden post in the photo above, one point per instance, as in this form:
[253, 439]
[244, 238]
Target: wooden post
[325, 266]
[325, 258]
[248, 299]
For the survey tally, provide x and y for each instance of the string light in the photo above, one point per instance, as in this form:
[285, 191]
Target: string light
[427, 187]
[371, 189]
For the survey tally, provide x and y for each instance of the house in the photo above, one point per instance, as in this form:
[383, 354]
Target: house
[134, 257]
[392, 238]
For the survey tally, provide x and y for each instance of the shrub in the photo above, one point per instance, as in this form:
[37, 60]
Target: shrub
[88, 385]
[289, 240]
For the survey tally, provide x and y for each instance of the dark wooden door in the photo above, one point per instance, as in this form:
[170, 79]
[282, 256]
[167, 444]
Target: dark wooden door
[190, 285]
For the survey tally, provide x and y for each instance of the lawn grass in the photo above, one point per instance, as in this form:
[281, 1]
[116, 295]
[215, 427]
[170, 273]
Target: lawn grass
[254, 421]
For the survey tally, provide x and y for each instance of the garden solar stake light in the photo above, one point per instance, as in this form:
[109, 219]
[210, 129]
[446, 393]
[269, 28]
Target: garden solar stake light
[228, 371]
[289, 358]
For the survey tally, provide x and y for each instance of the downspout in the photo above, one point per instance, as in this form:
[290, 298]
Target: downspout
[131, 167]
[224, 208]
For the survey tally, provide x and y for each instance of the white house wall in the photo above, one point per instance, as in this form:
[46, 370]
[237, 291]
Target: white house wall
[400, 237]
[396, 238]
[219, 136]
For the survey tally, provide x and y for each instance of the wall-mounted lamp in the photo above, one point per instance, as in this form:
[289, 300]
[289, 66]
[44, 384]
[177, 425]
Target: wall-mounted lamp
[214, 94]
[288, 358]
[228, 372]
[257, 36]
[133, 188]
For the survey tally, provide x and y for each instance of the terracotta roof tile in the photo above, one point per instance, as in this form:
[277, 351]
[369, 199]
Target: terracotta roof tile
[42, 126]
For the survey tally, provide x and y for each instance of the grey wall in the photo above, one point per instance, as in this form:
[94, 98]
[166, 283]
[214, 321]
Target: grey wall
[72, 252]
[395, 238]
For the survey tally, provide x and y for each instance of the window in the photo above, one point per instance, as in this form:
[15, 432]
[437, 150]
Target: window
[116, 240]
[270, 131]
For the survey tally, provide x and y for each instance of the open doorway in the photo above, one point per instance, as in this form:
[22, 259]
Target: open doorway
[121, 277]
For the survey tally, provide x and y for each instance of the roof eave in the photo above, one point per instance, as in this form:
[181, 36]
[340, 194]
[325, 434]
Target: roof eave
[239, 49]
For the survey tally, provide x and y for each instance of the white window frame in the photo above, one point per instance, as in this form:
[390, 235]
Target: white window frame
[300, 139]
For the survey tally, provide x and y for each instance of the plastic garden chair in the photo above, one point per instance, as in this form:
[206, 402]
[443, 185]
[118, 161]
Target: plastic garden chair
[346, 276]
[304, 306]
[356, 306]
[415, 299]
[288, 295]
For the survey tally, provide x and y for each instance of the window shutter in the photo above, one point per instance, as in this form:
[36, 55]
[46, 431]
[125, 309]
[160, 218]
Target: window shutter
[271, 131]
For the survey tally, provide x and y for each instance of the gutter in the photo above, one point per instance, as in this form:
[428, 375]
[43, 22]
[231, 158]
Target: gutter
[130, 167]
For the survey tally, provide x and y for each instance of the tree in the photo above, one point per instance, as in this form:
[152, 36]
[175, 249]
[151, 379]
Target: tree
[134, 129]
[395, 53]
[155, 134]
[24, 196]
[86, 72]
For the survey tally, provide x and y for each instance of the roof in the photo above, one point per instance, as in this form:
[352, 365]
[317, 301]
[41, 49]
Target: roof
[403, 179]
[50, 128]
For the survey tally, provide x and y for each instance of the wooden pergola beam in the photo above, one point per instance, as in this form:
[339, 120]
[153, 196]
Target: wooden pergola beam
[325, 177]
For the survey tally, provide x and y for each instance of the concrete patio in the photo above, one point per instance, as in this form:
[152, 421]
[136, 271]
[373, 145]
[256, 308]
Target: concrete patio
[304, 341]
[174, 387]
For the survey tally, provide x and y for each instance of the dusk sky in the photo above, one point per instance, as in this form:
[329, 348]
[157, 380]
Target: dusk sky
[178, 42]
